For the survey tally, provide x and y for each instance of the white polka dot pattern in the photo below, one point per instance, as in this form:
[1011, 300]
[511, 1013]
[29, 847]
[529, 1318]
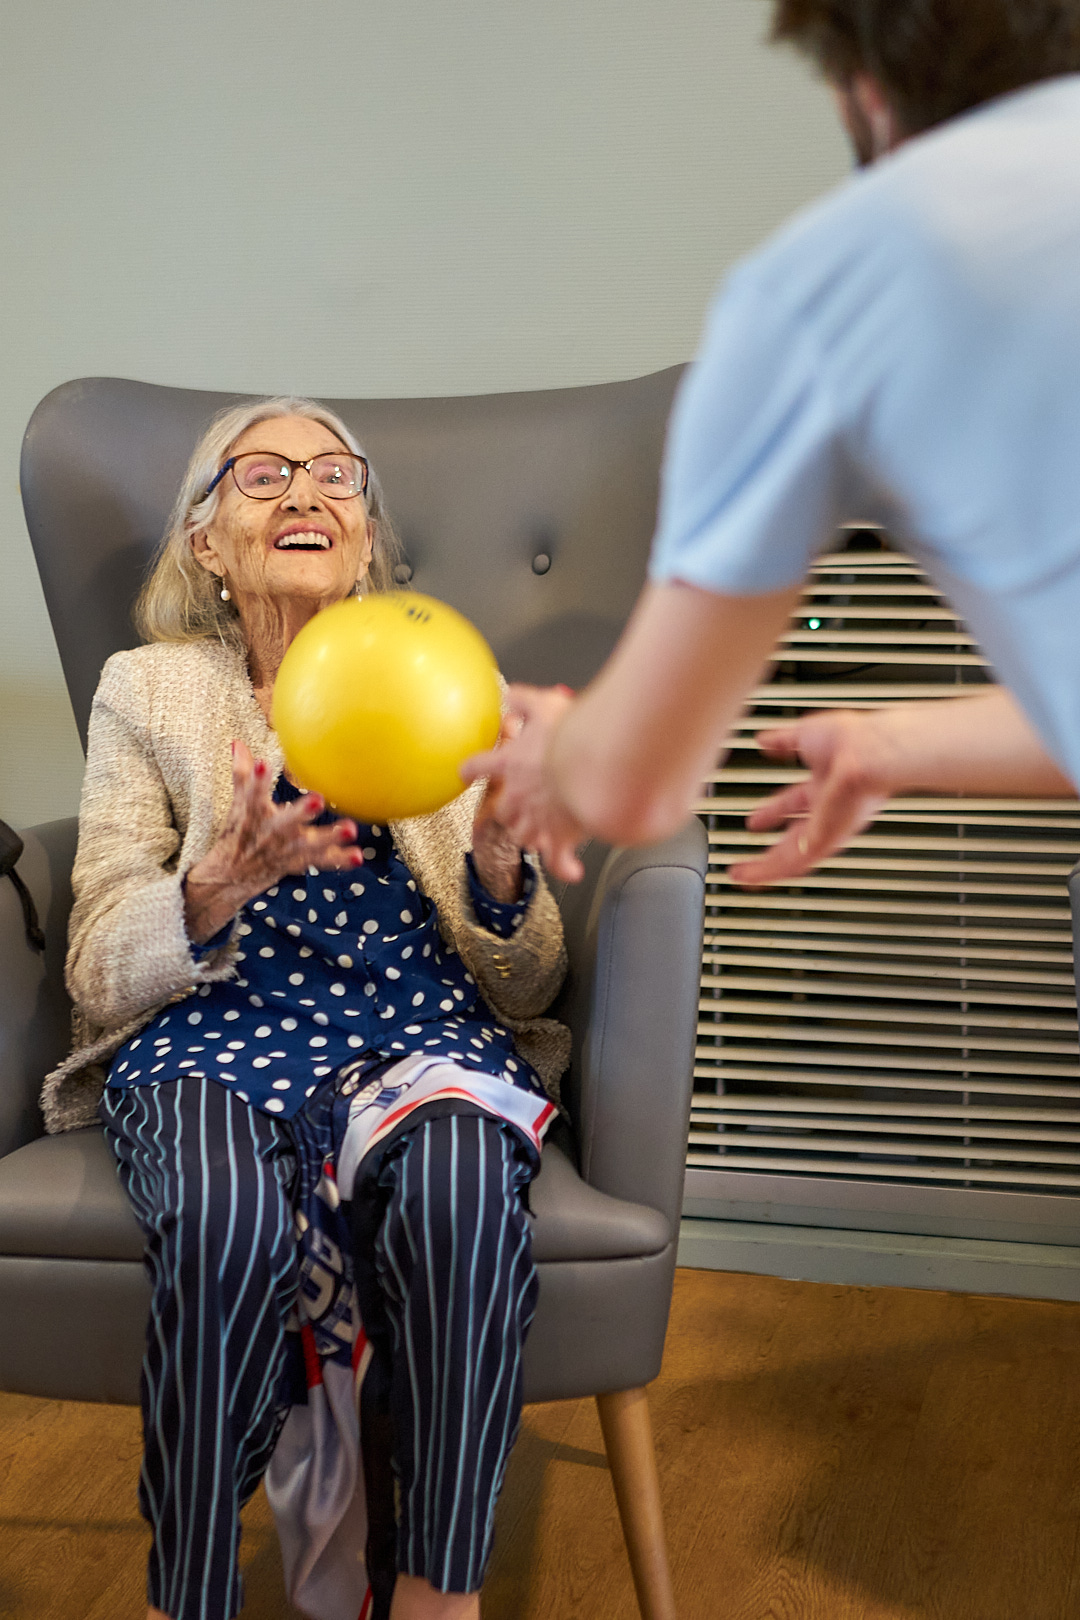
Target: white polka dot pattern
[330, 1006]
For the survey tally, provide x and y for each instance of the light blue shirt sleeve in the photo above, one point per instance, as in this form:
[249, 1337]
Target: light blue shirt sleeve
[753, 476]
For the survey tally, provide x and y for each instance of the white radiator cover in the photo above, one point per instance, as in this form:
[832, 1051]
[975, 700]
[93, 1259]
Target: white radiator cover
[905, 1016]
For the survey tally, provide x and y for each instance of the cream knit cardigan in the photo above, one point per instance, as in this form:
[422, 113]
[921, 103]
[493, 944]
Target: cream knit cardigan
[157, 791]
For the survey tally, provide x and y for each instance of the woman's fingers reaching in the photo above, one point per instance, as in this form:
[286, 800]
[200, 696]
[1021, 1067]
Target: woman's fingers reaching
[291, 837]
[252, 794]
[521, 794]
[332, 848]
[263, 841]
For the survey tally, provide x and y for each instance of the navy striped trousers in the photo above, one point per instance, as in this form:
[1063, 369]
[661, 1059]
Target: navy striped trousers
[447, 1292]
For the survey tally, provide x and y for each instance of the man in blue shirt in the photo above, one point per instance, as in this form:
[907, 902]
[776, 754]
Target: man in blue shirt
[907, 349]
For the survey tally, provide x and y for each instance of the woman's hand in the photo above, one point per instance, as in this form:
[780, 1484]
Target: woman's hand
[520, 791]
[260, 844]
[496, 853]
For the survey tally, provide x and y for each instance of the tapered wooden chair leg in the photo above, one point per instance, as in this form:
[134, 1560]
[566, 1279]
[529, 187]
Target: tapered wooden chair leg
[628, 1440]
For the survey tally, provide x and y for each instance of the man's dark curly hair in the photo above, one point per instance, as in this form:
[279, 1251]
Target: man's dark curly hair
[935, 58]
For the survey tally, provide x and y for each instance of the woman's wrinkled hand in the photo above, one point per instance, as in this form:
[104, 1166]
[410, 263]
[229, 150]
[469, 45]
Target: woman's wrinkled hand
[260, 843]
[521, 793]
[496, 853]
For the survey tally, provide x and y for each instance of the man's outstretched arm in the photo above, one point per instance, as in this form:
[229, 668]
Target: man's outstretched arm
[981, 745]
[626, 760]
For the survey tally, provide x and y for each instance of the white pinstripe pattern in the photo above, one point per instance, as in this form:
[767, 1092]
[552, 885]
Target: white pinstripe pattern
[208, 1179]
[454, 1232]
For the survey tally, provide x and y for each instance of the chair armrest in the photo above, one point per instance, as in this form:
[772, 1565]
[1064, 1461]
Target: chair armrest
[35, 1013]
[632, 1005]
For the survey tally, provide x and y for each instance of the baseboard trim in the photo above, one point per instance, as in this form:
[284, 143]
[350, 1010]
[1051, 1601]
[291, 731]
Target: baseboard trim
[882, 1259]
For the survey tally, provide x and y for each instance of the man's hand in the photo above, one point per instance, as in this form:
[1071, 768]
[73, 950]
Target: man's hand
[521, 793]
[981, 745]
[852, 775]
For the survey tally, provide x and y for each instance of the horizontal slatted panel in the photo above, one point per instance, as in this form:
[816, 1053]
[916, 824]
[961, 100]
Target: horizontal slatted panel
[907, 1012]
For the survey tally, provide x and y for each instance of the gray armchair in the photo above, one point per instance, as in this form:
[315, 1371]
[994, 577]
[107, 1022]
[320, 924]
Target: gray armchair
[532, 513]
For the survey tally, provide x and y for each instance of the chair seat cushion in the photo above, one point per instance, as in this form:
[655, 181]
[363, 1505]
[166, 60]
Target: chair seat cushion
[575, 1222]
[60, 1196]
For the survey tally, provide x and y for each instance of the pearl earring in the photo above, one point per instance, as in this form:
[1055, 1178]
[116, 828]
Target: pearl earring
[226, 594]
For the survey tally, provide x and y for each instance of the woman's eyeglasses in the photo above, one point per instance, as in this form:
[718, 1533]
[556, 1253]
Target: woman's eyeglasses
[263, 476]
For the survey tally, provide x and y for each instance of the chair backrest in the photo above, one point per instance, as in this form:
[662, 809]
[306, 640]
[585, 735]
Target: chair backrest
[481, 488]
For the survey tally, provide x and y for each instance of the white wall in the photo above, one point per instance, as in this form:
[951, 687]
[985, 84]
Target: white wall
[364, 197]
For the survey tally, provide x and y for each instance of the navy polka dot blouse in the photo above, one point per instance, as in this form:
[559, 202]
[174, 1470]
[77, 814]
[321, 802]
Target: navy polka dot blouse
[334, 966]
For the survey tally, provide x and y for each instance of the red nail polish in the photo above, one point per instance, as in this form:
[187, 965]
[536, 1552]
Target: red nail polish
[357, 858]
[314, 803]
[260, 768]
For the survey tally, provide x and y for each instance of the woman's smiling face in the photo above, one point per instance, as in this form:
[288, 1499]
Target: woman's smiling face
[303, 546]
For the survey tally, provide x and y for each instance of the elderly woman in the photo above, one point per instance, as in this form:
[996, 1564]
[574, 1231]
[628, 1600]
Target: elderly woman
[273, 992]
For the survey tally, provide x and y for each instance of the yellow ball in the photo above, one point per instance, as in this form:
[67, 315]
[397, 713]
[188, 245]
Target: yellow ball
[380, 699]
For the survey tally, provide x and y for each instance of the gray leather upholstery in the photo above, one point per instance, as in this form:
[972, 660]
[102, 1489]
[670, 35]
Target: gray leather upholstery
[479, 487]
[60, 1196]
[72, 1330]
[35, 1016]
[632, 1004]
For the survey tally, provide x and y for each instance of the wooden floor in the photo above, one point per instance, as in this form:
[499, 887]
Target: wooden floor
[825, 1453]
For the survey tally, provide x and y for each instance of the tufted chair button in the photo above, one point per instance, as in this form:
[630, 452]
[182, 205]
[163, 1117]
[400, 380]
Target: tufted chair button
[541, 563]
[402, 573]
